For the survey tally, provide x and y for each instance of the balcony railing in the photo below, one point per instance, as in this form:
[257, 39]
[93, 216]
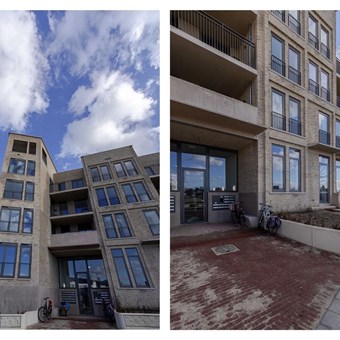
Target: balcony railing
[325, 50]
[294, 24]
[313, 87]
[215, 34]
[278, 65]
[324, 137]
[295, 126]
[279, 14]
[313, 40]
[294, 75]
[278, 121]
[337, 141]
[325, 94]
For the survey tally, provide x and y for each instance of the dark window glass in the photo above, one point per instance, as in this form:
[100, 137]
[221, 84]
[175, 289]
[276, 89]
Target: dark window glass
[149, 171]
[16, 166]
[13, 189]
[153, 220]
[81, 206]
[29, 192]
[141, 191]
[61, 186]
[121, 268]
[7, 259]
[105, 172]
[78, 183]
[63, 208]
[102, 201]
[130, 167]
[44, 156]
[31, 168]
[129, 195]
[95, 175]
[25, 260]
[109, 226]
[32, 148]
[28, 221]
[10, 219]
[123, 227]
[137, 268]
[119, 170]
[113, 196]
[19, 146]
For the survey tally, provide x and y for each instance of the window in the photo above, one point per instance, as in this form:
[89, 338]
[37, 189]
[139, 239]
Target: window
[25, 260]
[325, 93]
[152, 218]
[81, 206]
[143, 195]
[10, 219]
[294, 73]
[102, 201]
[313, 78]
[95, 175]
[324, 179]
[294, 170]
[121, 268]
[109, 226]
[294, 21]
[129, 194]
[217, 167]
[278, 169]
[324, 136]
[8, 254]
[112, 195]
[337, 165]
[137, 268]
[31, 168]
[44, 156]
[29, 191]
[122, 224]
[173, 171]
[63, 208]
[28, 221]
[19, 146]
[337, 133]
[32, 148]
[130, 167]
[62, 186]
[312, 32]
[13, 189]
[278, 64]
[324, 47]
[119, 170]
[149, 171]
[77, 183]
[294, 116]
[278, 117]
[16, 166]
[105, 172]
[279, 14]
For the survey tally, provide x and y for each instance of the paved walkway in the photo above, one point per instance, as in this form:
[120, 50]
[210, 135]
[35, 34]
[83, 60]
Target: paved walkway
[267, 283]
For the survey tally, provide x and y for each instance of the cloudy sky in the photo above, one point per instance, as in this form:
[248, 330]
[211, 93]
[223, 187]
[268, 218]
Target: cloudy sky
[84, 81]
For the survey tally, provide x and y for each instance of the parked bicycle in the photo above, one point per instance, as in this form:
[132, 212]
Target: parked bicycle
[108, 309]
[45, 311]
[237, 214]
[267, 220]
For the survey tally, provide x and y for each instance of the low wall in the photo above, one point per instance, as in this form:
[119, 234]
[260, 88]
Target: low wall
[136, 320]
[18, 321]
[320, 238]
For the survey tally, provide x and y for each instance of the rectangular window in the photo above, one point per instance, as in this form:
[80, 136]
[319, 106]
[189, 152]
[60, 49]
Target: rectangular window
[119, 170]
[294, 170]
[129, 194]
[95, 175]
[102, 200]
[122, 224]
[63, 208]
[278, 169]
[25, 260]
[278, 110]
[338, 175]
[337, 133]
[324, 90]
[62, 186]
[313, 32]
[137, 268]
[130, 167]
[152, 218]
[324, 47]
[77, 183]
[44, 156]
[81, 206]
[141, 191]
[10, 219]
[324, 136]
[17, 166]
[313, 85]
[28, 221]
[13, 189]
[105, 172]
[8, 253]
[294, 73]
[294, 21]
[32, 148]
[31, 168]
[278, 64]
[121, 268]
[29, 191]
[173, 171]
[112, 195]
[294, 116]
[149, 171]
[109, 226]
[19, 146]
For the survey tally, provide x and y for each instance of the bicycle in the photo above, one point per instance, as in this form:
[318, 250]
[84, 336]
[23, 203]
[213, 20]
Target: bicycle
[237, 214]
[267, 220]
[45, 311]
[108, 309]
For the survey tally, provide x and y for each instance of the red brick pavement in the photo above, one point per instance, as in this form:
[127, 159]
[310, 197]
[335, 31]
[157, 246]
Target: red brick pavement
[270, 283]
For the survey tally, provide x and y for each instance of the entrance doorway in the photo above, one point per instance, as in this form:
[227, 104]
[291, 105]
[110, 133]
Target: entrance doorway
[84, 294]
[194, 196]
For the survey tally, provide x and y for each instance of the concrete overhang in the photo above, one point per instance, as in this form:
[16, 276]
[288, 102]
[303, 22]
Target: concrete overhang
[324, 148]
[69, 195]
[201, 64]
[72, 218]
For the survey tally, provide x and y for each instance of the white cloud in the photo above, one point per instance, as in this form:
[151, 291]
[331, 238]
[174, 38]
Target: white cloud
[110, 113]
[23, 70]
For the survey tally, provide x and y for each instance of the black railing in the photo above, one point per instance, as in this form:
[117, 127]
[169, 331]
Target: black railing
[313, 40]
[215, 34]
[278, 121]
[325, 94]
[325, 50]
[313, 86]
[337, 141]
[294, 24]
[278, 65]
[324, 137]
[294, 75]
[295, 126]
[279, 14]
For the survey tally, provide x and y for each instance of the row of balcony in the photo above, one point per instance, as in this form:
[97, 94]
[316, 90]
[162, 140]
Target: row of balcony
[279, 122]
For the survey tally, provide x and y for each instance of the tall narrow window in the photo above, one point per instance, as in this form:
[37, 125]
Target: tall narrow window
[28, 221]
[8, 254]
[129, 194]
[294, 170]
[325, 93]
[13, 189]
[121, 268]
[278, 169]
[217, 170]
[338, 175]
[313, 32]
[324, 47]
[31, 168]
[294, 21]
[105, 172]
[102, 200]
[294, 116]
[119, 170]
[137, 268]
[44, 156]
[337, 133]
[32, 148]
[29, 191]
[130, 167]
[173, 171]
[278, 117]
[278, 64]
[16, 166]
[324, 179]
[324, 136]
[123, 227]
[95, 175]
[109, 226]
[10, 219]
[25, 260]
[313, 85]
[294, 73]
[112, 195]
[141, 191]
[152, 218]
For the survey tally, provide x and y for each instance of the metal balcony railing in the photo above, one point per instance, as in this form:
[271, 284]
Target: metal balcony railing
[337, 141]
[294, 75]
[278, 65]
[295, 126]
[294, 24]
[279, 14]
[313, 40]
[325, 50]
[215, 34]
[313, 87]
[278, 121]
[325, 94]
[324, 137]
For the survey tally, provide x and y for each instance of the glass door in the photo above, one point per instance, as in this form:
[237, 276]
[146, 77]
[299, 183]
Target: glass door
[194, 195]
[84, 294]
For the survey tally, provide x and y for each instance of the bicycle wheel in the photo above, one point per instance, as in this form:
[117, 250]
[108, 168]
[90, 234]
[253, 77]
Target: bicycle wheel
[42, 314]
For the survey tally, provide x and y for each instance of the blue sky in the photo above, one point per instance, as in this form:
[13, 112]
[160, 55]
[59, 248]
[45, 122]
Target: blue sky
[84, 81]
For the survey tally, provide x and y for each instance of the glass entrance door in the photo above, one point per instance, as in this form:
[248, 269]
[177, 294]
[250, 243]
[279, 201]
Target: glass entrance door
[84, 294]
[194, 195]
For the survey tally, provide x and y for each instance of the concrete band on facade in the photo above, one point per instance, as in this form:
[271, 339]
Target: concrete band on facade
[77, 237]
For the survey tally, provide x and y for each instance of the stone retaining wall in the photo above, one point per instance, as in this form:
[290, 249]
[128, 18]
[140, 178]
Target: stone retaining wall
[18, 321]
[137, 321]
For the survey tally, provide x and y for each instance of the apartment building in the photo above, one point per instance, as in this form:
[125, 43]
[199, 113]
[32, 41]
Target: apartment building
[78, 236]
[254, 112]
